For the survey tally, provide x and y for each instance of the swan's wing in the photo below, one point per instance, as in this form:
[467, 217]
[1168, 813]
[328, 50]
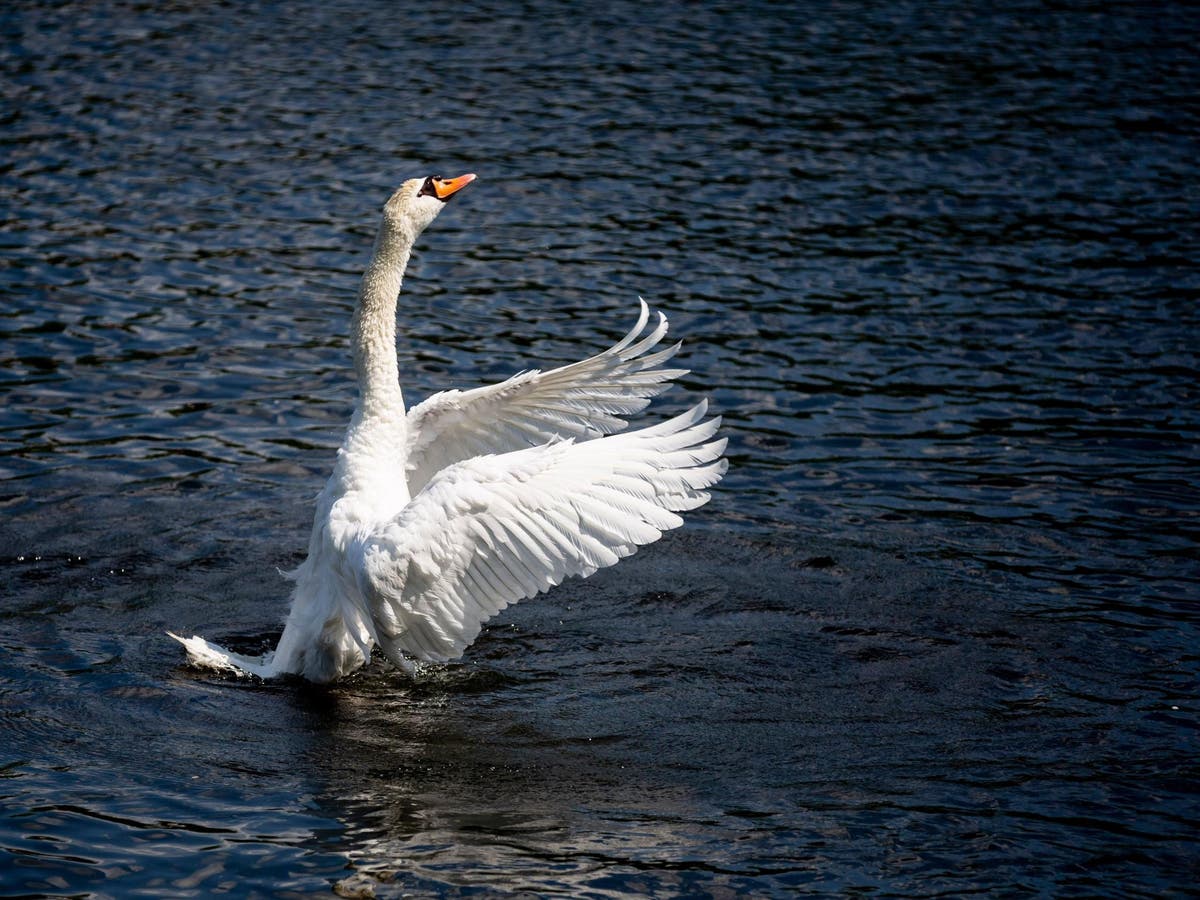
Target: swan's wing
[493, 530]
[582, 400]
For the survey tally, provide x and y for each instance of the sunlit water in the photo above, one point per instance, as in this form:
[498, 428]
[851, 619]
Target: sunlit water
[935, 634]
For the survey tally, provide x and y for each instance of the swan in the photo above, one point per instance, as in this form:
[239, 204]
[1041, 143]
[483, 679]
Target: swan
[438, 517]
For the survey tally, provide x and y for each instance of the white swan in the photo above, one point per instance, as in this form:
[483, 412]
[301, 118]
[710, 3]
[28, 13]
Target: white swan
[437, 518]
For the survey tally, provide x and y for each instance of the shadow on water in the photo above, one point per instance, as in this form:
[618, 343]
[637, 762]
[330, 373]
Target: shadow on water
[606, 743]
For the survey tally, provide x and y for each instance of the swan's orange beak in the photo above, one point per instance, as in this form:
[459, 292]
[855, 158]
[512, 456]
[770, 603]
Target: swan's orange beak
[445, 188]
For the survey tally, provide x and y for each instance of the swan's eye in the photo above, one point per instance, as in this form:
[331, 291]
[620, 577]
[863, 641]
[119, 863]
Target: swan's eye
[427, 189]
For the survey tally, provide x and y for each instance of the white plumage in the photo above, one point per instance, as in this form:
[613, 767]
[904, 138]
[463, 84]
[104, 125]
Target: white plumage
[438, 517]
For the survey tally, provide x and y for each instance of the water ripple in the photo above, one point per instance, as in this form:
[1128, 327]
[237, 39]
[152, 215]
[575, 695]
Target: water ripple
[936, 267]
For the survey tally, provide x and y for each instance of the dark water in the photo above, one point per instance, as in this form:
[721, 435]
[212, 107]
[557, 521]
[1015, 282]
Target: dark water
[937, 634]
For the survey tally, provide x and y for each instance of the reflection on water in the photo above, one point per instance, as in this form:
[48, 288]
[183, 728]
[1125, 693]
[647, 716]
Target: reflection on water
[935, 266]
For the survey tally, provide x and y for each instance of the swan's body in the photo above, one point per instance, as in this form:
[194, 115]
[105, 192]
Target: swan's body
[438, 517]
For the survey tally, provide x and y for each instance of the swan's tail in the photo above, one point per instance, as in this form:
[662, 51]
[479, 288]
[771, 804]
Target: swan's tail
[207, 655]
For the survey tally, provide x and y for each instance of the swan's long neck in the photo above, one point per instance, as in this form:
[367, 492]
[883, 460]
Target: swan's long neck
[373, 330]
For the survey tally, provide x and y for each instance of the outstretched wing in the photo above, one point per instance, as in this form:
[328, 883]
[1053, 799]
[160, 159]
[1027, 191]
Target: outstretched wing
[493, 530]
[582, 400]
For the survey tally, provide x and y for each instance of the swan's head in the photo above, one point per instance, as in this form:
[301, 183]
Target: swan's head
[419, 200]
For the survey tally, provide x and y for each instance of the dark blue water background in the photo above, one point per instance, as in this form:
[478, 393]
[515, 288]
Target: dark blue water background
[936, 634]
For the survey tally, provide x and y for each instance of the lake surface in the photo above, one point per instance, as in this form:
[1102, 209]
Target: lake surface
[938, 631]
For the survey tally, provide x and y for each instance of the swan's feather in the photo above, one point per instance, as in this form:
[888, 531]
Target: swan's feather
[207, 655]
[583, 400]
[489, 531]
